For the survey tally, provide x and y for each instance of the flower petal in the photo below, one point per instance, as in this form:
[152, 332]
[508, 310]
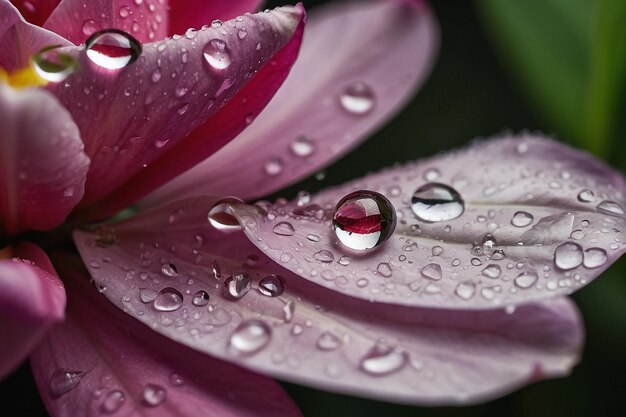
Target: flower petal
[77, 20]
[540, 220]
[160, 262]
[379, 50]
[36, 11]
[36, 128]
[186, 14]
[20, 39]
[32, 298]
[133, 120]
[101, 362]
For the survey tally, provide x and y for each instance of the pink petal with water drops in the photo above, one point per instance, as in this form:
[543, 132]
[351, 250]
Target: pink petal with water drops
[32, 299]
[217, 103]
[217, 293]
[525, 219]
[20, 39]
[102, 362]
[185, 14]
[36, 128]
[360, 62]
[77, 20]
[36, 11]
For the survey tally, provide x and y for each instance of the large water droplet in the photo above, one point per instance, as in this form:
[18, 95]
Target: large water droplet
[383, 360]
[435, 202]
[492, 271]
[113, 401]
[522, 219]
[595, 257]
[112, 49]
[272, 285]
[220, 216]
[465, 290]
[610, 207]
[251, 336]
[237, 285]
[200, 298]
[431, 271]
[526, 279]
[586, 196]
[64, 380]
[169, 270]
[384, 269]
[325, 256]
[53, 65]
[216, 54]
[328, 341]
[568, 255]
[284, 229]
[364, 219]
[168, 299]
[302, 146]
[357, 98]
[153, 395]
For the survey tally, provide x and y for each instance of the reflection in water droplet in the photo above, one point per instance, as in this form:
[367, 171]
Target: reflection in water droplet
[221, 218]
[432, 271]
[64, 380]
[113, 401]
[112, 49]
[168, 299]
[383, 360]
[522, 219]
[586, 196]
[357, 98]
[435, 202]
[237, 285]
[272, 285]
[610, 207]
[328, 341]
[153, 395]
[595, 257]
[53, 65]
[250, 336]
[526, 279]
[568, 255]
[284, 229]
[216, 54]
[363, 220]
[200, 298]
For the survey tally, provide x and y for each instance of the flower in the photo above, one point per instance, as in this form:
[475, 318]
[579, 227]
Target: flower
[463, 302]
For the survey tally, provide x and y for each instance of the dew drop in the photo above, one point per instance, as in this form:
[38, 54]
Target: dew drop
[436, 250]
[324, 256]
[200, 298]
[176, 380]
[53, 65]
[357, 98]
[313, 238]
[586, 196]
[250, 337]
[112, 49]
[237, 285]
[168, 299]
[522, 219]
[328, 341]
[284, 229]
[492, 271]
[432, 271]
[242, 33]
[595, 257]
[384, 269]
[383, 360]
[272, 285]
[169, 270]
[221, 218]
[89, 27]
[610, 208]
[153, 395]
[526, 280]
[147, 295]
[64, 380]
[465, 290]
[274, 166]
[364, 220]
[302, 146]
[435, 202]
[216, 54]
[113, 401]
[568, 256]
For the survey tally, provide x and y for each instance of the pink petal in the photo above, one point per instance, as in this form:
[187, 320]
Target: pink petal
[385, 47]
[36, 128]
[77, 20]
[36, 11]
[32, 298]
[314, 335]
[522, 201]
[133, 120]
[102, 362]
[186, 14]
[20, 39]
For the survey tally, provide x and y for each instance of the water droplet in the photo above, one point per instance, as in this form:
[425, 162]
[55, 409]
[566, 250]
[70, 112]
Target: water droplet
[242, 33]
[313, 238]
[176, 380]
[324, 256]
[200, 298]
[216, 24]
[250, 337]
[492, 271]
[168, 299]
[586, 196]
[272, 285]
[595, 257]
[383, 360]
[344, 261]
[384, 269]
[465, 290]
[522, 219]
[328, 341]
[526, 279]
[112, 49]
[610, 208]
[284, 229]
[216, 54]
[568, 255]
[89, 27]
[435, 202]
[169, 270]
[363, 220]
[53, 65]
[153, 395]
[221, 218]
[64, 380]
[302, 146]
[124, 12]
[274, 166]
[432, 271]
[237, 285]
[113, 401]
[147, 295]
[357, 98]
[436, 250]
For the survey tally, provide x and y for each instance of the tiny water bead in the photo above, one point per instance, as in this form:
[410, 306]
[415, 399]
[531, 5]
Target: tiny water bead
[168, 299]
[364, 220]
[53, 65]
[436, 202]
[383, 360]
[64, 380]
[153, 395]
[200, 298]
[112, 402]
[250, 337]
[302, 146]
[610, 208]
[522, 219]
[284, 229]
[216, 54]
[112, 49]
[568, 256]
[237, 285]
[432, 271]
[272, 285]
[357, 98]
[526, 280]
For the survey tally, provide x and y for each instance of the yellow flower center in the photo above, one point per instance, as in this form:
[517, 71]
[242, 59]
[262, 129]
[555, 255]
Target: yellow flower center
[22, 78]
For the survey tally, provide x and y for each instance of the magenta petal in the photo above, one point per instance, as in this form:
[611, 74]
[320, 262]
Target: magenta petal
[380, 50]
[32, 298]
[36, 11]
[20, 39]
[36, 128]
[159, 263]
[540, 220]
[77, 20]
[102, 362]
[186, 14]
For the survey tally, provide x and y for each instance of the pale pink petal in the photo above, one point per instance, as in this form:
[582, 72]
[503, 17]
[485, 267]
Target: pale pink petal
[36, 11]
[185, 14]
[383, 50]
[77, 20]
[20, 39]
[540, 220]
[101, 362]
[314, 335]
[36, 128]
[32, 299]
[133, 120]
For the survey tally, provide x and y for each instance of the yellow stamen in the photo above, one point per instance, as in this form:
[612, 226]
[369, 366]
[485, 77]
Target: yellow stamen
[22, 78]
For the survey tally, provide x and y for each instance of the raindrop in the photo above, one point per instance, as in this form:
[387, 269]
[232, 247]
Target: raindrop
[113, 401]
[364, 220]
[237, 285]
[169, 270]
[357, 98]
[522, 219]
[526, 279]
[216, 54]
[284, 229]
[465, 290]
[124, 12]
[147, 295]
[492, 271]
[384, 269]
[274, 166]
[432, 271]
[89, 27]
[595, 257]
[610, 208]
[586, 196]
[221, 218]
[176, 380]
[328, 341]
[324, 256]
[568, 255]
[436, 250]
[313, 238]
[435, 202]
[383, 360]
[272, 285]
[153, 395]
[168, 299]
[250, 336]
[431, 174]
[112, 49]
[200, 298]
[64, 380]
[53, 65]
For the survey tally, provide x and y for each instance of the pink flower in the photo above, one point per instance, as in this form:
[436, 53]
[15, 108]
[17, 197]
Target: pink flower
[445, 283]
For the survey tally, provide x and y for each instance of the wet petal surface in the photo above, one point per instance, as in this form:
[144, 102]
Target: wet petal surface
[197, 13]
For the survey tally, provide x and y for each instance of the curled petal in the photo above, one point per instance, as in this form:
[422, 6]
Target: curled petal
[36, 11]
[360, 62]
[533, 219]
[77, 20]
[186, 14]
[219, 294]
[32, 299]
[101, 362]
[36, 128]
